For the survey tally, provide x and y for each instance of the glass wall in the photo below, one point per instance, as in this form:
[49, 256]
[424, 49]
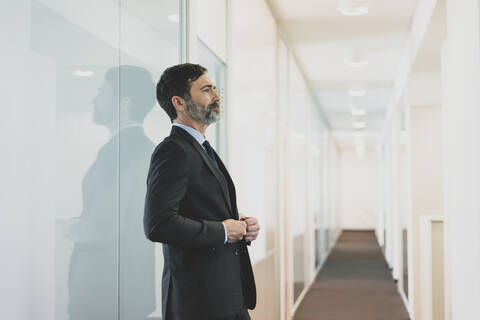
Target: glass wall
[297, 182]
[252, 138]
[81, 123]
[388, 203]
[404, 201]
[217, 71]
[252, 118]
[316, 162]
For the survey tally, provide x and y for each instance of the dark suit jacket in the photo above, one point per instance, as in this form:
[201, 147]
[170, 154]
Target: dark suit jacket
[188, 197]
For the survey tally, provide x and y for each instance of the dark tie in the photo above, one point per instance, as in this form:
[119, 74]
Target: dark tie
[210, 152]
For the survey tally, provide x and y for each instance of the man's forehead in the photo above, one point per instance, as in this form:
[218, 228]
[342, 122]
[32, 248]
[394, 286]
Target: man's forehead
[202, 81]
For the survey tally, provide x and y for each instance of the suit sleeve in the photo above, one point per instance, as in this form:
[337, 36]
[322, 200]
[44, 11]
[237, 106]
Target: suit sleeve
[167, 183]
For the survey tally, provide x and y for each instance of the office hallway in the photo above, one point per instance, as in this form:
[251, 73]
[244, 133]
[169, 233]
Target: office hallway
[354, 284]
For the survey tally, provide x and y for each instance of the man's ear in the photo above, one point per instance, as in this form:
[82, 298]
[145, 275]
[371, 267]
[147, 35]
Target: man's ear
[125, 107]
[125, 103]
[178, 103]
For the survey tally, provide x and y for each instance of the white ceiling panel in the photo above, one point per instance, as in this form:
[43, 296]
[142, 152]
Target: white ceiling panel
[323, 39]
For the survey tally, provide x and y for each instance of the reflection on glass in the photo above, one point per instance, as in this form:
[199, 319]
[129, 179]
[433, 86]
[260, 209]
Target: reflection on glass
[404, 210]
[315, 178]
[405, 262]
[78, 155]
[298, 266]
[100, 236]
[298, 180]
[136, 261]
[318, 246]
[149, 37]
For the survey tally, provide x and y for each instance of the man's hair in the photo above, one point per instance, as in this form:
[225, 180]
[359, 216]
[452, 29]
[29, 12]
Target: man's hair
[135, 83]
[175, 81]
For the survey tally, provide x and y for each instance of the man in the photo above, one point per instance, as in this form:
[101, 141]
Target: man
[105, 283]
[191, 208]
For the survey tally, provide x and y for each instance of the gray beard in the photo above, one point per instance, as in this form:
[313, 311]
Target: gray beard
[198, 112]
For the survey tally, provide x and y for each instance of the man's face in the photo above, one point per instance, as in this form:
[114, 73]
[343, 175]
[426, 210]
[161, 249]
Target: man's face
[204, 103]
[103, 105]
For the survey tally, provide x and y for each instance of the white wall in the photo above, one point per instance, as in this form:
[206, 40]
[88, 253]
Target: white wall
[211, 25]
[461, 82]
[426, 187]
[358, 189]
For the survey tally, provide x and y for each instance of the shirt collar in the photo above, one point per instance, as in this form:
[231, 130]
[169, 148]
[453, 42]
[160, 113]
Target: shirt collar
[194, 133]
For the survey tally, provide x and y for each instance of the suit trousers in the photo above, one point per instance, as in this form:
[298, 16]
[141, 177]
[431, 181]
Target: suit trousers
[243, 315]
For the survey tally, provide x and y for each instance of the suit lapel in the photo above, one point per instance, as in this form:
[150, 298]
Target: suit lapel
[221, 179]
[231, 187]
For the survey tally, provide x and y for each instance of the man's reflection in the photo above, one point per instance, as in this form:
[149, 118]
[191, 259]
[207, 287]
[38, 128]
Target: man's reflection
[112, 266]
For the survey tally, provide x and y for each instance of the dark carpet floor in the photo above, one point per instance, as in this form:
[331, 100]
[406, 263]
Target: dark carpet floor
[354, 284]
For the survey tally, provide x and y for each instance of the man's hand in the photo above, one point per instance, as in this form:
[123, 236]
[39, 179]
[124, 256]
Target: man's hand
[252, 227]
[236, 230]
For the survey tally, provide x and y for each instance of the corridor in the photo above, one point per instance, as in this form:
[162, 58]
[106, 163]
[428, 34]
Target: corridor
[354, 284]
[348, 129]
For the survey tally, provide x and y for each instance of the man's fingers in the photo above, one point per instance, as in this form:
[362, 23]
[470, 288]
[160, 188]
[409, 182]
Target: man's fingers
[240, 234]
[253, 228]
[243, 229]
[251, 236]
[246, 228]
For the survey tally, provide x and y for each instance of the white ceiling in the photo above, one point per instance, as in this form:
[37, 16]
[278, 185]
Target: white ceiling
[322, 39]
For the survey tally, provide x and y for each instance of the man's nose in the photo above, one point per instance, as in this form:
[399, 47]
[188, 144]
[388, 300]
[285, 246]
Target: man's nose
[216, 96]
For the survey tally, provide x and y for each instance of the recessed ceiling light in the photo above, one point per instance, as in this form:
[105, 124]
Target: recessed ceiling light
[358, 112]
[175, 18]
[357, 11]
[356, 64]
[352, 7]
[359, 125]
[356, 58]
[83, 73]
[357, 92]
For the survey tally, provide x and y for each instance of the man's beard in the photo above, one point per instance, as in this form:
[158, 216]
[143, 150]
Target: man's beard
[201, 113]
